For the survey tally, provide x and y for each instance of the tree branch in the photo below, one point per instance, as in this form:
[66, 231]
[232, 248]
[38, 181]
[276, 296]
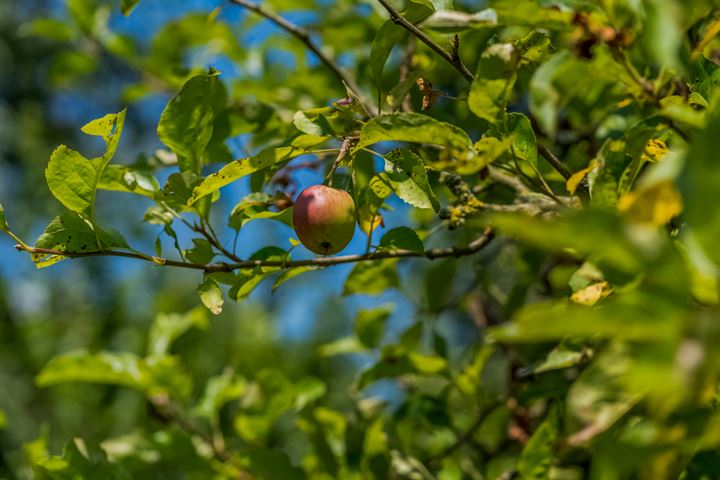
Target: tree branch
[303, 35]
[473, 247]
[554, 161]
[453, 60]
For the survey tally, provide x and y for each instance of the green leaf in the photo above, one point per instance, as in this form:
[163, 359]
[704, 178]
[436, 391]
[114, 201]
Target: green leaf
[413, 127]
[3, 221]
[699, 182]
[389, 34]
[127, 6]
[211, 295]
[256, 206]
[409, 180]
[596, 232]
[386, 38]
[72, 178]
[168, 327]
[372, 278]
[241, 168]
[402, 238]
[537, 456]
[219, 391]
[74, 234]
[187, 122]
[121, 178]
[396, 361]
[487, 150]
[494, 81]
[265, 463]
[291, 273]
[370, 324]
[524, 145]
[112, 368]
[202, 252]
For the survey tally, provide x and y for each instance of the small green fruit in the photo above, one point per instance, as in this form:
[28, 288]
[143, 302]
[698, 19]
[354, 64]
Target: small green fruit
[324, 219]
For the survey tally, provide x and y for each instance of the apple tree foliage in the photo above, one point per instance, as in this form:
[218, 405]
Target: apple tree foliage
[554, 163]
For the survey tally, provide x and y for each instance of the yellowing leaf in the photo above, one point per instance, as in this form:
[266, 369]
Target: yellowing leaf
[574, 181]
[655, 205]
[592, 294]
[655, 150]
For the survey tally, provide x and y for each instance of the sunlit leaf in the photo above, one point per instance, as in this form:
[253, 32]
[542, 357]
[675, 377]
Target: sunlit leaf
[72, 178]
[211, 295]
[412, 127]
[402, 238]
[409, 180]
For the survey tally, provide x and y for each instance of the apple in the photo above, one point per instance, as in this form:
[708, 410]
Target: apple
[324, 219]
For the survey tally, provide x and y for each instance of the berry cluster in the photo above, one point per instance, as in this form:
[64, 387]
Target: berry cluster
[466, 204]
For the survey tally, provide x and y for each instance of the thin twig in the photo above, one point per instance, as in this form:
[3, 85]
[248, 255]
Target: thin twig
[405, 66]
[172, 412]
[554, 161]
[465, 437]
[304, 36]
[455, 61]
[433, 253]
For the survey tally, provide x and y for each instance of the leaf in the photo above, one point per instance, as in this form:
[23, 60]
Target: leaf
[561, 357]
[402, 238]
[72, 178]
[595, 232]
[121, 178]
[201, 253]
[73, 234]
[211, 295]
[412, 127]
[487, 150]
[291, 273]
[699, 182]
[537, 456]
[370, 200]
[219, 391]
[409, 180]
[241, 168]
[168, 327]
[3, 221]
[127, 6]
[372, 278]
[187, 122]
[592, 294]
[385, 39]
[370, 324]
[389, 34]
[494, 81]
[636, 316]
[396, 361]
[574, 181]
[256, 206]
[524, 145]
[112, 368]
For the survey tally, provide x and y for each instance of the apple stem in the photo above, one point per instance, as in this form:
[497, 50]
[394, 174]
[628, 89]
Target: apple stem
[344, 149]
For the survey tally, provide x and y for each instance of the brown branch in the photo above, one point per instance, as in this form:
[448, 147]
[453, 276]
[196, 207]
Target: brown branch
[433, 253]
[554, 161]
[304, 36]
[453, 60]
